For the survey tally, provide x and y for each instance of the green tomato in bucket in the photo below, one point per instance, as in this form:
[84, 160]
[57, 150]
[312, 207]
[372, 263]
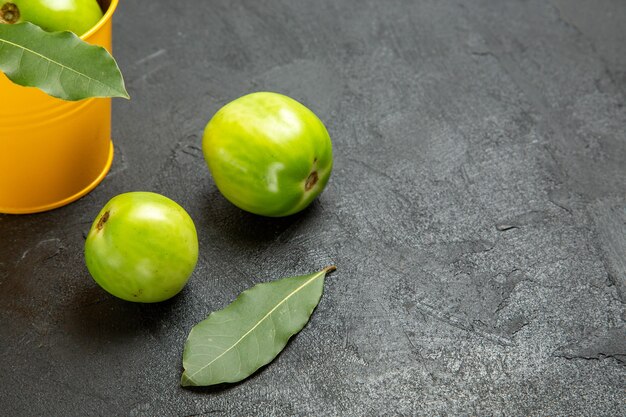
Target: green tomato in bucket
[142, 247]
[268, 154]
[77, 16]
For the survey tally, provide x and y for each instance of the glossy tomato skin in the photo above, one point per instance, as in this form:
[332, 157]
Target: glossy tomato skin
[77, 16]
[268, 154]
[142, 247]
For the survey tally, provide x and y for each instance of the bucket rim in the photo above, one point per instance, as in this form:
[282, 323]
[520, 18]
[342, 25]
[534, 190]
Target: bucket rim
[103, 20]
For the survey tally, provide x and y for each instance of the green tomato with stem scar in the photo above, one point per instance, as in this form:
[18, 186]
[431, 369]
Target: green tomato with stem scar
[268, 154]
[77, 16]
[142, 247]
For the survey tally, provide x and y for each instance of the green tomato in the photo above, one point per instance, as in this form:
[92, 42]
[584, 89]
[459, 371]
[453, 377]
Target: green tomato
[77, 16]
[142, 247]
[268, 154]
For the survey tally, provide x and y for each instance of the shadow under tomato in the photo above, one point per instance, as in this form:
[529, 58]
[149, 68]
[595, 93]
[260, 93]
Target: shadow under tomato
[100, 317]
[229, 221]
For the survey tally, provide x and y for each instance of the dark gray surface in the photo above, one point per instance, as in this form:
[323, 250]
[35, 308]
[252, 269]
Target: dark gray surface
[476, 214]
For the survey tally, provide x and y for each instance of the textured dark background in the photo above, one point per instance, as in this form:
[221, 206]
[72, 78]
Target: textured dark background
[476, 214]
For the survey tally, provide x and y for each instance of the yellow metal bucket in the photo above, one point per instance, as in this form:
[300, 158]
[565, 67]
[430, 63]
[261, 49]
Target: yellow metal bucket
[53, 152]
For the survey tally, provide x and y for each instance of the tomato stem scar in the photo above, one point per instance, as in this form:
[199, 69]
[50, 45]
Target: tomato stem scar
[103, 220]
[9, 13]
[311, 181]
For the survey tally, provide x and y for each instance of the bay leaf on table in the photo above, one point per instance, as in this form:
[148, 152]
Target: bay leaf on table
[58, 63]
[231, 344]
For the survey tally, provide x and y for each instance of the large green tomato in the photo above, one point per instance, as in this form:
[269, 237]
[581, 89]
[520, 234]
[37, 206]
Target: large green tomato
[142, 247]
[268, 154]
[77, 16]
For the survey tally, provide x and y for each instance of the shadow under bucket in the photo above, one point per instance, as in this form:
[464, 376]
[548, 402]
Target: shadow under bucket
[53, 152]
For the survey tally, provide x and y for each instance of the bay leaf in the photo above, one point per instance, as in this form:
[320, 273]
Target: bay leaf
[59, 63]
[231, 344]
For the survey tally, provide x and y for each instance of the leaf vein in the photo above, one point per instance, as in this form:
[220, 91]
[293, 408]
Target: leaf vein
[268, 314]
[24, 49]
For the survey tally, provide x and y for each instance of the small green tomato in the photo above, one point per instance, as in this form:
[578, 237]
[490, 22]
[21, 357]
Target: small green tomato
[268, 154]
[77, 16]
[142, 247]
